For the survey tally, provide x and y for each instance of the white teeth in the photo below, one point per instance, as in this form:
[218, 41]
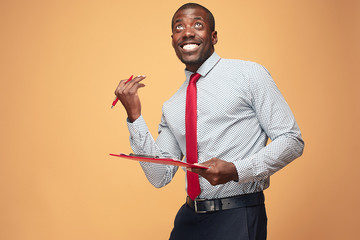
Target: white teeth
[190, 46]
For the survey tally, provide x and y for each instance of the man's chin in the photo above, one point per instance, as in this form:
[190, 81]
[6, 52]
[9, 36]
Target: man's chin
[195, 59]
[191, 61]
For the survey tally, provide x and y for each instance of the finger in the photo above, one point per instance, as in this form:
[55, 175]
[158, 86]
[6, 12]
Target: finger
[208, 164]
[198, 170]
[134, 89]
[133, 85]
[122, 83]
[134, 81]
[120, 88]
[125, 82]
[126, 86]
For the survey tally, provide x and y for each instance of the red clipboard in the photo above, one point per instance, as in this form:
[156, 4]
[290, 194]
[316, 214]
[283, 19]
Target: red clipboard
[166, 161]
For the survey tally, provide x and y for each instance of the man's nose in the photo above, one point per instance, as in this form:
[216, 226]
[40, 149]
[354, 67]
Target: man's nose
[189, 32]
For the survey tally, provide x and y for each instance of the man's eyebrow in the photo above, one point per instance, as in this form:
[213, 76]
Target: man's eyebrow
[195, 18]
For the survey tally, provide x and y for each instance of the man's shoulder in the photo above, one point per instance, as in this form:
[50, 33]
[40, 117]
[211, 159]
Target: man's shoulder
[243, 66]
[240, 62]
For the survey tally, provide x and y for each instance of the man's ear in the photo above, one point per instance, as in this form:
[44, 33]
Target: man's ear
[172, 42]
[214, 38]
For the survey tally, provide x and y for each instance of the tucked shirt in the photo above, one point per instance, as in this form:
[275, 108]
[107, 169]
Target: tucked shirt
[238, 108]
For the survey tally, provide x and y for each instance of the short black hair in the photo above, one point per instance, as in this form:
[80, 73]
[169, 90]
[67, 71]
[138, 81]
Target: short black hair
[210, 16]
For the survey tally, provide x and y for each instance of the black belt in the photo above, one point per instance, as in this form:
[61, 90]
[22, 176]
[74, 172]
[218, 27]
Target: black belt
[212, 205]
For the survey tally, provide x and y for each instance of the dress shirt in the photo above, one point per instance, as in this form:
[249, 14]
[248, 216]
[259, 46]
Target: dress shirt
[239, 107]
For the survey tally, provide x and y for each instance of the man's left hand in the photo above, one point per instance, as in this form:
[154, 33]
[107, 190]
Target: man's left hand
[218, 172]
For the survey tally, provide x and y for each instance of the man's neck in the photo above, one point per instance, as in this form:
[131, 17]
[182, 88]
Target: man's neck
[193, 68]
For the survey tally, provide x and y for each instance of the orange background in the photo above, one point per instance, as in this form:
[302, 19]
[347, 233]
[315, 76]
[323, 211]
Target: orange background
[60, 62]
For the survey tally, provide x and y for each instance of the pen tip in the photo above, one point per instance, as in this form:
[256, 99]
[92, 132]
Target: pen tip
[112, 107]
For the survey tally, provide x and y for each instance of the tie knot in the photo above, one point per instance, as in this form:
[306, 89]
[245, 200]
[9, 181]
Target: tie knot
[194, 77]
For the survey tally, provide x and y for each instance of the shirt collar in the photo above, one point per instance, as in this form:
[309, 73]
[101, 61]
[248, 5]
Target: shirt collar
[206, 67]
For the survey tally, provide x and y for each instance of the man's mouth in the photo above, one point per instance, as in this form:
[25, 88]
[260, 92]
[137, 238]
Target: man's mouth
[190, 46]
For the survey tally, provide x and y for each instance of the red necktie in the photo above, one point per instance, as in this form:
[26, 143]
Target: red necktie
[193, 186]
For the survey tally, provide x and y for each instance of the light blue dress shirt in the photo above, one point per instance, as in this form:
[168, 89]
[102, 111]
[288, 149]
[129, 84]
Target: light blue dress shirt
[239, 108]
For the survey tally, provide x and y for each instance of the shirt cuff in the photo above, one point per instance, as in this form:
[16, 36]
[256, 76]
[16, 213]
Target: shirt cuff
[245, 170]
[138, 127]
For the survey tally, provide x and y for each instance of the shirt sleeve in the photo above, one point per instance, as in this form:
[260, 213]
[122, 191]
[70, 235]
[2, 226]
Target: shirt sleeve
[278, 122]
[166, 146]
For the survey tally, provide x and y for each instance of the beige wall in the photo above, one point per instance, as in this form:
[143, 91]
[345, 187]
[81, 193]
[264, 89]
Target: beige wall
[60, 62]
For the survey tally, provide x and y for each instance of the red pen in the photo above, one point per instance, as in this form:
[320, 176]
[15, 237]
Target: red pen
[116, 99]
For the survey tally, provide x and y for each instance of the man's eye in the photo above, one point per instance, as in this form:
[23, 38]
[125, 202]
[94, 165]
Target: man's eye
[179, 27]
[198, 25]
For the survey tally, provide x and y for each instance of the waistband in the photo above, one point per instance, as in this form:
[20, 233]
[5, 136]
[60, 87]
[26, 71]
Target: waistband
[218, 204]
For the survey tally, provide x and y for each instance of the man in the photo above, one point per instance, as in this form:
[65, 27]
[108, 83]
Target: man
[237, 108]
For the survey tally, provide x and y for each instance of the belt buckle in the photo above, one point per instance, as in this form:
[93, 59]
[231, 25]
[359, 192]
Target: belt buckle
[196, 200]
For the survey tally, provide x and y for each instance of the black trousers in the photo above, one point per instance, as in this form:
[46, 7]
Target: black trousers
[247, 223]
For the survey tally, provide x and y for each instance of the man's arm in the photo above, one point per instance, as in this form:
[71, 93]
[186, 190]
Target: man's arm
[277, 120]
[141, 140]
[279, 124]
[165, 146]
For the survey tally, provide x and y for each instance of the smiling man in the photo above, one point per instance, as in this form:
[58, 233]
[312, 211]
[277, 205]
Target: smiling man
[195, 46]
[221, 117]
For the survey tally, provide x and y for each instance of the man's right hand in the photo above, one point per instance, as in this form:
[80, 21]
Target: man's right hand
[127, 93]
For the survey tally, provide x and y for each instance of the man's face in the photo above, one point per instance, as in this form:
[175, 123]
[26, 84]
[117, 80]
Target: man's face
[192, 38]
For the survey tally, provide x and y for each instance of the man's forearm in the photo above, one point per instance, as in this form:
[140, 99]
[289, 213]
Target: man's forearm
[142, 142]
[280, 152]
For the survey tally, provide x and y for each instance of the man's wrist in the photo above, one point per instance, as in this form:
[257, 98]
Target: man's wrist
[235, 177]
[133, 118]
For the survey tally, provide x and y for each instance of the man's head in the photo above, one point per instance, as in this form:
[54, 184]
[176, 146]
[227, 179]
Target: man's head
[193, 35]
